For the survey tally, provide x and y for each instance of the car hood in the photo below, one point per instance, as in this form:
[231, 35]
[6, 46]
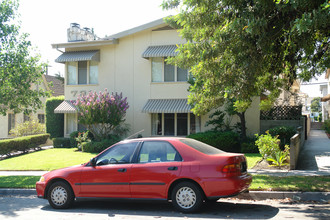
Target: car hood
[64, 171]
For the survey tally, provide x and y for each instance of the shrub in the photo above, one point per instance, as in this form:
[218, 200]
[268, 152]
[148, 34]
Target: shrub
[267, 145]
[22, 143]
[73, 141]
[249, 146]
[74, 135]
[30, 127]
[284, 133]
[326, 126]
[61, 142]
[226, 141]
[99, 146]
[54, 122]
[101, 112]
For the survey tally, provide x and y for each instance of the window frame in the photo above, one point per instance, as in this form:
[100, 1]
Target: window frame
[11, 121]
[77, 72]
[163, 62]
[162, 124]
[159, 141]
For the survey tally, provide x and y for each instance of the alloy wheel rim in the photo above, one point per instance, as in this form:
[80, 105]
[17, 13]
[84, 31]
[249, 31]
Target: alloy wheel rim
[186, 197]
[59, 195]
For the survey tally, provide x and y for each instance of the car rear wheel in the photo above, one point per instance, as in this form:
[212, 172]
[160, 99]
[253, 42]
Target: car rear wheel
[187, 197]
[60, 195]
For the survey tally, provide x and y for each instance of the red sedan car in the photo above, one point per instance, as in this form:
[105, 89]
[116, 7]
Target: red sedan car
[184, 171]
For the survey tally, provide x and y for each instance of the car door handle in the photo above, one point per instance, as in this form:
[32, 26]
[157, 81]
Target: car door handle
[122, 170]
[172, 168]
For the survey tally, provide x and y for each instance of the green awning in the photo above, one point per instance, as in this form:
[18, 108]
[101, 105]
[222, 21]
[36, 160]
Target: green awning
[79, 56]
[167, 106]
[160, 51]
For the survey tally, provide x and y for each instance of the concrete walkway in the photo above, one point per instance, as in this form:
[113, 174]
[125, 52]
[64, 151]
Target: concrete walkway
[315, 154]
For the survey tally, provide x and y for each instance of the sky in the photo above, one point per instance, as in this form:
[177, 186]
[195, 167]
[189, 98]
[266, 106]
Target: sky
[47, 21]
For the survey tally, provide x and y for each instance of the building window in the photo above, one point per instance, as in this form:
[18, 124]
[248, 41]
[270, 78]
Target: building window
[164, 72]
[82, 72]
[71, 123]
[11, 121]
[174, 124]
[41, 118]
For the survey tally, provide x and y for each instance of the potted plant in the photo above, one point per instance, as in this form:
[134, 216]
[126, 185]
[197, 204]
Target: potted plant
[326, 127]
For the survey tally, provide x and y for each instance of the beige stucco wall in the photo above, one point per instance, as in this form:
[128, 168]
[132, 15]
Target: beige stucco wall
[122, 69]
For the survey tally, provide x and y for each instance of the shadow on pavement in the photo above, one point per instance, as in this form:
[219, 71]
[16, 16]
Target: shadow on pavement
[165, 209]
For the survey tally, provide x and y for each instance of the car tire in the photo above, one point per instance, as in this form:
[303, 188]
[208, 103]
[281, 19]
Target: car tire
[60, 195]
[187, 197]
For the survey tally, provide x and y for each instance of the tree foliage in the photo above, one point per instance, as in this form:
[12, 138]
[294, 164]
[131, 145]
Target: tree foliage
[18, 68]
[316, 105]
[101, 112]
[240, 49]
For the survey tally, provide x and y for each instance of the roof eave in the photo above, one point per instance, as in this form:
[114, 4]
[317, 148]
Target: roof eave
[81, 44]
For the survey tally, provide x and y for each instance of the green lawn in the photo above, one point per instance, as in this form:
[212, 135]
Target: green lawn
[252, 159]
[27, 182]
[46, 160]
[291, 183]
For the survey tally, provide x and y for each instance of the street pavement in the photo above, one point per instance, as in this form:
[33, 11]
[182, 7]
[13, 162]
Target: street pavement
[314, 160]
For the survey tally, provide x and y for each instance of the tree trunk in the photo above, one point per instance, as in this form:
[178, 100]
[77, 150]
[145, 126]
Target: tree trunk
[243, 127]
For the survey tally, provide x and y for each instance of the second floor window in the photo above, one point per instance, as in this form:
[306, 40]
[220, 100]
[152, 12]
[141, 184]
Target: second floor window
[164, 72]
[82, 72]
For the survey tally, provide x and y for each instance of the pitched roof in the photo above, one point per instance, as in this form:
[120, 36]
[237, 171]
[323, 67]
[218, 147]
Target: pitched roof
[57, 87]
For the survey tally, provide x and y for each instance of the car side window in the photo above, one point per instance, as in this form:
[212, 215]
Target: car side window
[119, 154]
[158, 151]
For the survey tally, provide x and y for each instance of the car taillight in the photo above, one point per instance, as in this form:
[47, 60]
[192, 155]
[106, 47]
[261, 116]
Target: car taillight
[231, 168]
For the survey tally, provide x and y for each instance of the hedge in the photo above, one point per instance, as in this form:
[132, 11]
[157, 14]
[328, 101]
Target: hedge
[99, 146]
[54, 122]
[284, 134]
[61, 142]
[226, 141]
[22, 143]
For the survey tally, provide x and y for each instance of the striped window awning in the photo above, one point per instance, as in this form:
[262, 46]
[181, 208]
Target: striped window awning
[167, 106]
[79, 56]
[65, 107]
[160, 51]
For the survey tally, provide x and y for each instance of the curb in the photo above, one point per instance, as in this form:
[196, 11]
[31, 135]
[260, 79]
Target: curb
[297, 196]
[18, 192]
[252, 195]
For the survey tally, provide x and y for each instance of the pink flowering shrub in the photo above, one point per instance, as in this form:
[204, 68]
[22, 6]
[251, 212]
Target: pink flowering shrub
[101, 112]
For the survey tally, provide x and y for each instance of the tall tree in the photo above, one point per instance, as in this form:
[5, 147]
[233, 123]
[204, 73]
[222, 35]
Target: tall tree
[19, 70]
[316, 105]
[240, 49]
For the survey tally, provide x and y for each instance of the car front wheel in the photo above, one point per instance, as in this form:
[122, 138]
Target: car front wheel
[60, 195]
[187, 197]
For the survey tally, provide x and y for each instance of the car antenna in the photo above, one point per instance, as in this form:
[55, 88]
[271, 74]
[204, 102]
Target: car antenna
[134, 134]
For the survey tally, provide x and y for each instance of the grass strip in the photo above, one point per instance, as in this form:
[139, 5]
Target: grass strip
[291, 183]
[252, 159]
[26, 182]
[47, 160]
[259, 183]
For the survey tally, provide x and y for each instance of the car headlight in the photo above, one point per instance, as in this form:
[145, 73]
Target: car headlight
[42, 179]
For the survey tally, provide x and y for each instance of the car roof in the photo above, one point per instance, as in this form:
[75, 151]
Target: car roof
[153, 139]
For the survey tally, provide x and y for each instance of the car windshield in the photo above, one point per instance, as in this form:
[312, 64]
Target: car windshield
[202, 147]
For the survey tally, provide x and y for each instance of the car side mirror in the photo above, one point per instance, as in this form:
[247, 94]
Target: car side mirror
[92, 162]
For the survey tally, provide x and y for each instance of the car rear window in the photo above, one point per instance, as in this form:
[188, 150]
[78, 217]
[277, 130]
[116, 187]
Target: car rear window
[202, 147]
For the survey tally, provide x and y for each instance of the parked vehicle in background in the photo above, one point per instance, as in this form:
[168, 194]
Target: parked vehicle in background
[182, 170]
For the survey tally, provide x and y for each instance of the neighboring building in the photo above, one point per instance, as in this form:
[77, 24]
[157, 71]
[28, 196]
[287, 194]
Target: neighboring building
[325, 90]
[9, 121]
[133, 62]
